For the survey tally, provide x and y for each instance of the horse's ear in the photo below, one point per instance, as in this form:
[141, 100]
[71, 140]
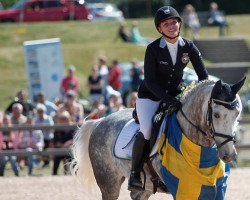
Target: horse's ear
[217, 88]
[236, 87]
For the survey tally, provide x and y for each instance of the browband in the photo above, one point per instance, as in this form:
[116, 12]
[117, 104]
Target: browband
[229, 105]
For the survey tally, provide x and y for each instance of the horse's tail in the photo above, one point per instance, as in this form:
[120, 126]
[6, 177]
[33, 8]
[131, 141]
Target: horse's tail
[81, 165]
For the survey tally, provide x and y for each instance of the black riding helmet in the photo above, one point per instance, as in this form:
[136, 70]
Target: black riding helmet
[165, 12]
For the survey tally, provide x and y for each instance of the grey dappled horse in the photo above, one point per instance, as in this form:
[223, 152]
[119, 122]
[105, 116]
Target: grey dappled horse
[204, 120]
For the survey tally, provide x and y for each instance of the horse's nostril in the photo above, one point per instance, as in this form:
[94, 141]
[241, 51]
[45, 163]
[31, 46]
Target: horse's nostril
[227, 159]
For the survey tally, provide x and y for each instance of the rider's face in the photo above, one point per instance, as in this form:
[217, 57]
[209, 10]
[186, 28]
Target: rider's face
[170, 27]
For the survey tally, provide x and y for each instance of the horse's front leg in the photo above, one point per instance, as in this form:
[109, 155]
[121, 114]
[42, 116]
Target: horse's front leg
[140, 195]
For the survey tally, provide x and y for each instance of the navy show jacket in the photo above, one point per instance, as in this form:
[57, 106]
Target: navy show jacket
[162, 79]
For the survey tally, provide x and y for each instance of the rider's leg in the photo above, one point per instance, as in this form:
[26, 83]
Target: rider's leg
[145, 111]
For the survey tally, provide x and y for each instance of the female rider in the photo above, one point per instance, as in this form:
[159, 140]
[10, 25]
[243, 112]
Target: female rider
[165, 60]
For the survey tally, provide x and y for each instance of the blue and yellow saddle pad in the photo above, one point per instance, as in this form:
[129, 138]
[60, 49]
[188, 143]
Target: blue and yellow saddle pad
[190, 172]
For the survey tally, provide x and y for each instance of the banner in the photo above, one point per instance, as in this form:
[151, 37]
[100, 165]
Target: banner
[44, 67]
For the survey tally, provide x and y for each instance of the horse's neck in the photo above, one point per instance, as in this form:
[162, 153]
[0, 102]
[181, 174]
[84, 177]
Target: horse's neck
[195, 110]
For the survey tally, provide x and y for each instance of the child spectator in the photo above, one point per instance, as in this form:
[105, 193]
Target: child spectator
[98, 110]
[29, 140]
[41, 118]
[63, 139]
[123, 33]
[8, 141]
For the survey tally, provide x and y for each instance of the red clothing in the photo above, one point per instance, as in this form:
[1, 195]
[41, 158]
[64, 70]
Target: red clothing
[69, 83]
[115, 78]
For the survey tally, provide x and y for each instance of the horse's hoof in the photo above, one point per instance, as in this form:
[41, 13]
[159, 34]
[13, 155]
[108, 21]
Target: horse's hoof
[135, 188]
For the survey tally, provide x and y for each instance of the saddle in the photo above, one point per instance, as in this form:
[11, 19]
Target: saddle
[163, 110]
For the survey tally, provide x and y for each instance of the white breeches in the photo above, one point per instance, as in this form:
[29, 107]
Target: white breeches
[146, 109]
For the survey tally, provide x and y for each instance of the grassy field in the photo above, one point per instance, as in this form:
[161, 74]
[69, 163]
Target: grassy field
[82, 42]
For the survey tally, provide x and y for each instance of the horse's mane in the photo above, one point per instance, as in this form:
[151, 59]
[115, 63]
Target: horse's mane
[198, 87]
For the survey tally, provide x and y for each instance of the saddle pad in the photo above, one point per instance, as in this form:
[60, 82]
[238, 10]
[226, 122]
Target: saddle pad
[125, 141]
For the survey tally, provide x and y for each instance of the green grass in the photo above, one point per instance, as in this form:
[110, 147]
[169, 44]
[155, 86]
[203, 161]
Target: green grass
[82, 42]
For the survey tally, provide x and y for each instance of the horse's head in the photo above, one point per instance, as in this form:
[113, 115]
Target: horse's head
[224, 109]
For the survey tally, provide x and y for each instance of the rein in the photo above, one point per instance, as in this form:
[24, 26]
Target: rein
[213, 133]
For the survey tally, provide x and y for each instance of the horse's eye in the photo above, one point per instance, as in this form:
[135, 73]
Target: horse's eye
[216, 115]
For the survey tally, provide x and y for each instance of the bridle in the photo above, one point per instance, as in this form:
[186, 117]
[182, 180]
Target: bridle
[209, 116]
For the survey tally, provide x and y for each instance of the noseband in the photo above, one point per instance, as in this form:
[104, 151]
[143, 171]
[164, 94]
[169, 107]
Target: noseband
[209, 116]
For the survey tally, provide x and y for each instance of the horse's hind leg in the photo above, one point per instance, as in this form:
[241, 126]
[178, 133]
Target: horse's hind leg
[110, 186]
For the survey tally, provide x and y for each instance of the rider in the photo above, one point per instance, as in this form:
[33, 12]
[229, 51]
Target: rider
[165, 60]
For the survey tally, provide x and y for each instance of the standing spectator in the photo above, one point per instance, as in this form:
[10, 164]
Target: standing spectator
[42, 118]
[216, 18]
[71, 105]
[51, 108]
[22, 98]
[191, 20]
[63, 139]
[70, 82]
[95, 85]
[103, 69]
[135, 74]
[8, 141]
[17, 116]
[29, 140]
[115, 74]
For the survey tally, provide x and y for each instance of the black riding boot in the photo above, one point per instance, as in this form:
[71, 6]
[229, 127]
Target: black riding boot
[138, 158]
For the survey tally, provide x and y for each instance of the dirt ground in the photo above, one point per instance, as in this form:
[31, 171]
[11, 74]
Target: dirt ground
[66, 187]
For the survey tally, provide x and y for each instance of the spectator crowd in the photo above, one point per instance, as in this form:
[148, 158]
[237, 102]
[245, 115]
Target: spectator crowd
[105, 97]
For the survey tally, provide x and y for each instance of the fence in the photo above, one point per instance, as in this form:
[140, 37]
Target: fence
[67, 151]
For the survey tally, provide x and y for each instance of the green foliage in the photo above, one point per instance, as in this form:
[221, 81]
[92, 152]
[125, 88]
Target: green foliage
[8, 3]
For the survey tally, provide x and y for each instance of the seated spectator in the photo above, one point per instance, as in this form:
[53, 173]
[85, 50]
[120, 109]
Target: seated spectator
[70, 82]
[115, 104]
[114, 77]
[41, 118]
[63, 139]
[71, 105]
[216, 18]
[135, 74]
[51, 108]
[8, 141]
[98, 110]
[136, 35]
[124, 34]
[191, 20]
[17, 117]
[131, 99]
[95, 85]
[29, 140]
[21, 97]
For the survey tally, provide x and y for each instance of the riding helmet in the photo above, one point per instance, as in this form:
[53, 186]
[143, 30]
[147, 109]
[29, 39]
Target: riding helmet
[165, 12]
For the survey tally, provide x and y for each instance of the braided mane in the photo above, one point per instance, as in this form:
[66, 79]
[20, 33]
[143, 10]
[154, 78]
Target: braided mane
[199, 87]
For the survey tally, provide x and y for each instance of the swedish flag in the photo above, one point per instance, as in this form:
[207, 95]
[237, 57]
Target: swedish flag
[190, 172]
